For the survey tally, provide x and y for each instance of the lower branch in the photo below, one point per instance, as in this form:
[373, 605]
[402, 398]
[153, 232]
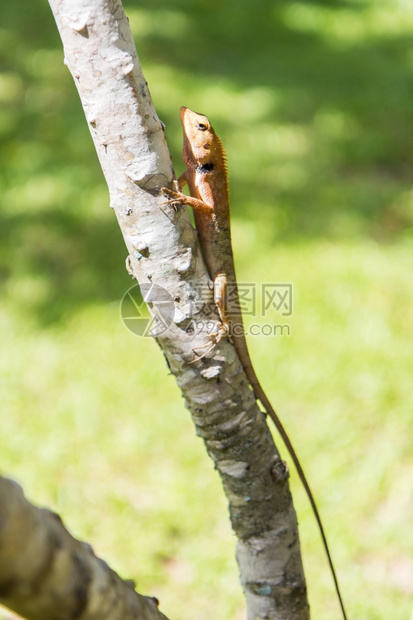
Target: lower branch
[46, 574]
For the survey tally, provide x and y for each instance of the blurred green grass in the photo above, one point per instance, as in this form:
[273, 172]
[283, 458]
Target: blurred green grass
[314, 103]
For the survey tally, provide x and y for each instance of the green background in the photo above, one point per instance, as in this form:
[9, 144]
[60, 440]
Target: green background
[314, 103]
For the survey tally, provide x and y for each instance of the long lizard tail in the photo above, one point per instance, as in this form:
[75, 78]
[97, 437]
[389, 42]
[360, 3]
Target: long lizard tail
[242, 350]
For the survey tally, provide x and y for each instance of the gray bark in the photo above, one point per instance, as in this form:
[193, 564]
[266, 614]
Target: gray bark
[163, 251]
[46, 574]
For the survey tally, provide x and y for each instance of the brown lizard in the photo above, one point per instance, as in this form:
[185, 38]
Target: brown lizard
[207, 178]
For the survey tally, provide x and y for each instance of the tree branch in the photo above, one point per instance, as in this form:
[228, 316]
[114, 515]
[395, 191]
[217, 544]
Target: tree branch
[163, 252]
[46, 574]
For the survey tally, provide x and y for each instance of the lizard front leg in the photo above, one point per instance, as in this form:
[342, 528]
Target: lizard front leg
[177, 199]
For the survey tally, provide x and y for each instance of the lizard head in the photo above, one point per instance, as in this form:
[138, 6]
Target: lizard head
[201, 144]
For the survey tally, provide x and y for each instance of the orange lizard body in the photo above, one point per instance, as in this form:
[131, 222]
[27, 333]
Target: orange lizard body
[207, 178]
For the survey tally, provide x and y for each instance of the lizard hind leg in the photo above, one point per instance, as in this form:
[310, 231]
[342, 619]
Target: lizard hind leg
[221, 302]
[220, 299]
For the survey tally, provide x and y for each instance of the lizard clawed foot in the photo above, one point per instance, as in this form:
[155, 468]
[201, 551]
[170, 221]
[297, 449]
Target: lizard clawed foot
[223, 332]
[198, 358]
[176, 199]
[216, 338]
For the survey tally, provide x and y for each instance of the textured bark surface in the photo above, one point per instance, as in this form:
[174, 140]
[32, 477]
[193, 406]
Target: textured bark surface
[163, 251]
[46, 574]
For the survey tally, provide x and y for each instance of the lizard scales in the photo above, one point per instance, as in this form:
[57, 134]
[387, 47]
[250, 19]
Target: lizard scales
[207, 179]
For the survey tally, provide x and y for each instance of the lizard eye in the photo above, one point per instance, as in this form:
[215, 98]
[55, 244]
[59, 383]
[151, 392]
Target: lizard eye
[202, 127]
